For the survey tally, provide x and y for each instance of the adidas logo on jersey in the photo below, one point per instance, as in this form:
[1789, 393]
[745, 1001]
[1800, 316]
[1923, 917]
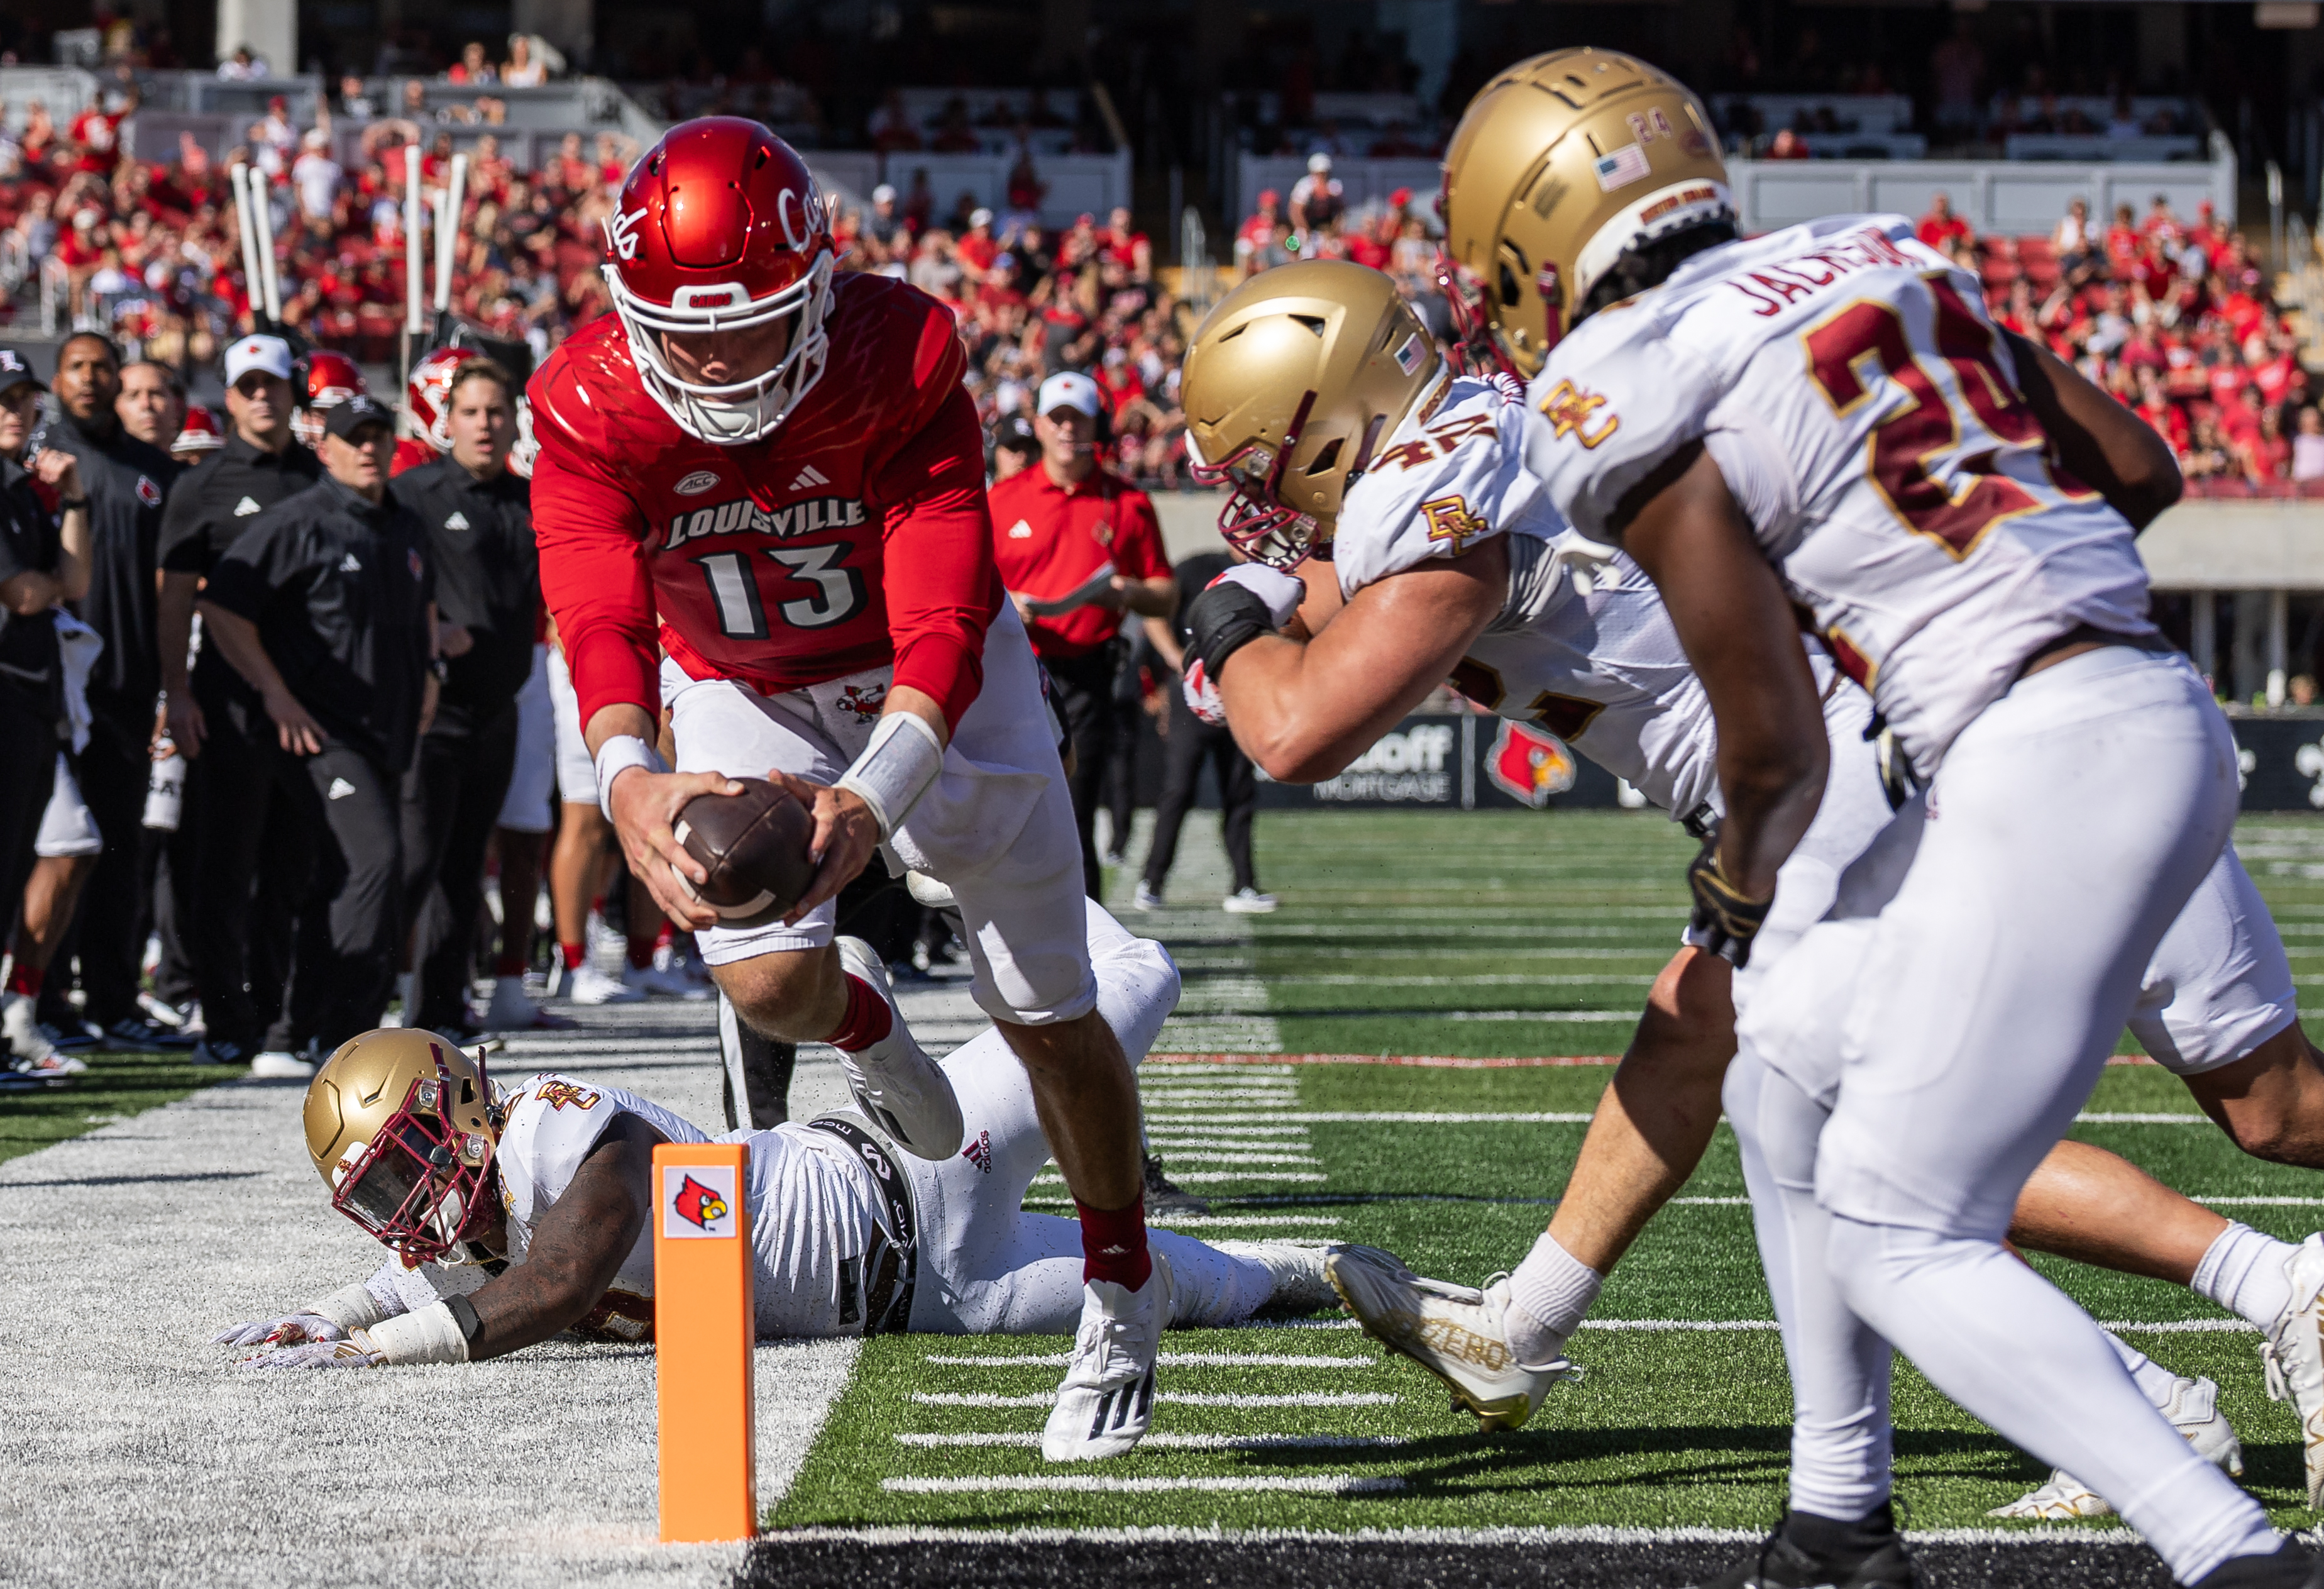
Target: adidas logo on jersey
[808, 476]
[247, 506]
[1021, 531]
[350, 564]
[746, 517]
[340, 790]
[458, 520]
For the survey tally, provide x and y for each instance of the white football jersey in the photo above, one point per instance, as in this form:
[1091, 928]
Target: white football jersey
[811, 1209]
[1866, 414]
[1582, 646]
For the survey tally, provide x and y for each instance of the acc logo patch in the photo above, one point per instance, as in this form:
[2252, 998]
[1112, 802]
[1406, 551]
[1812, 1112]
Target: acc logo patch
[695, 483]
[148, 493]
[699, 1201]
[1571, 410]
[558, 1094]
[1530, 765]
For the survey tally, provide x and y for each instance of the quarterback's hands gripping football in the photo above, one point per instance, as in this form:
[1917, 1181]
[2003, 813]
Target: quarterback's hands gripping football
[289, 1330]
[1726, 919]
[1246, 602]
[645, 807]
[846, 833]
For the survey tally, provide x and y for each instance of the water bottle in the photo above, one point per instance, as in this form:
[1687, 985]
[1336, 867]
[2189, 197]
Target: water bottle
[165, 794]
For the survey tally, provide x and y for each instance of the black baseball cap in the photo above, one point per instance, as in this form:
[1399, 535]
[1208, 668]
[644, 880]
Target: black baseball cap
[14, 371]
[1016, 433]
[344, 420]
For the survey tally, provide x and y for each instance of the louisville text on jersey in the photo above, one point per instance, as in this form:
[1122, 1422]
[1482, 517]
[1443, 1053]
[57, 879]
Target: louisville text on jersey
[1771, 287]
[742, 516]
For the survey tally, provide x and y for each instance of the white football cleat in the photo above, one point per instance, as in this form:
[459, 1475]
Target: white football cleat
[1106, 1404]
[513, 1010]
[1454, 1332]
[661, 982]
[585, 985]
[2194, 1412]
[2293, 1355]
[281, 1064]
[1301, 1284]
[894, 1080]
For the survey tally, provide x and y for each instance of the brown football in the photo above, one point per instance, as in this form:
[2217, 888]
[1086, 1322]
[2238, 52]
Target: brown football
[754, 846]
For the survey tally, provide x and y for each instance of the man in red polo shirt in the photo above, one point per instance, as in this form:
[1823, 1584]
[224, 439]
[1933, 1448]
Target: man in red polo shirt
[1077, 548]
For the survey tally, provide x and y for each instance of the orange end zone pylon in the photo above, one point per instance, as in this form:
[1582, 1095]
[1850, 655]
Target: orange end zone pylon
[703, 1331]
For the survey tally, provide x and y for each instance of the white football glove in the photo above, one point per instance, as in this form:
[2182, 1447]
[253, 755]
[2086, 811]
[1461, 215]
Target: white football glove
[1202, 696]
[354, 1352]
[1280, 591]
[289, 1330]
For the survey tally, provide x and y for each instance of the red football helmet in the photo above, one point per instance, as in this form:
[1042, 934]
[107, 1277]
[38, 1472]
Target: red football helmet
[722, 227]
[200, 433]
[331, 379]
[429, 396]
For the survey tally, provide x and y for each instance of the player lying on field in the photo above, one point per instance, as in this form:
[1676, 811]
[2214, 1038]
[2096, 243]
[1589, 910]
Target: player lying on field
[1443, 559]
[548, 1192]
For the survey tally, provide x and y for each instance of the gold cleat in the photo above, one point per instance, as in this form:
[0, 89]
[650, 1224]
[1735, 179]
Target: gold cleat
[1454, 1332]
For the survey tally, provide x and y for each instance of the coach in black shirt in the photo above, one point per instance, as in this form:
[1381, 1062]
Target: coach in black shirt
[242, 956]
[127, 481]
[479, 520]
[326, 604]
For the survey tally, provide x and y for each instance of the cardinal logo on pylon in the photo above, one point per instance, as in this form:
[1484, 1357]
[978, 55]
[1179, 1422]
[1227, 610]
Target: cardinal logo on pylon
[698, 1205]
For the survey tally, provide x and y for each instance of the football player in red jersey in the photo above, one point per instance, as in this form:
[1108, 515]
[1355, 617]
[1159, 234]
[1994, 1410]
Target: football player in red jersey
[774, 479]
[427, 399]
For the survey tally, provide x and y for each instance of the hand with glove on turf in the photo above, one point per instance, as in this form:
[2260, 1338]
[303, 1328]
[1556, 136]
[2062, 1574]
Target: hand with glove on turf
[1246, 602]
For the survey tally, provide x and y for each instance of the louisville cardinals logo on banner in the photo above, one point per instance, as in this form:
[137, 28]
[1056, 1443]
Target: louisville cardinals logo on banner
[1531, 765]
[698, 1202]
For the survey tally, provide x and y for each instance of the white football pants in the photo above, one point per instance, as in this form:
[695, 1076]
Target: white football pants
[1954, 1015]
[987, 1267]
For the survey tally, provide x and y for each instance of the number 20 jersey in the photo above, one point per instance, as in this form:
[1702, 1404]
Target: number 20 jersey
[1866, 415]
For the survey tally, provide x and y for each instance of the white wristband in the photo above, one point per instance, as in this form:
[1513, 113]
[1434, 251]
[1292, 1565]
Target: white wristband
[618, 755]
[352, 1308]
[430, 1336]
[895, 769]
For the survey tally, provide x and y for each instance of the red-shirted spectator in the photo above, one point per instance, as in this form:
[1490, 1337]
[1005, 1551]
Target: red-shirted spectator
[2161, 222]
[96, 134]
[1940, 227]
[1076, 547]
[2278, 376]
[1126, 246]
[976, 249]
[2123, 243]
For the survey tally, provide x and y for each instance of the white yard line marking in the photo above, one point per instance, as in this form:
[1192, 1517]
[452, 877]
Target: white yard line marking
[2174, 1118]
[1210, 1178]
[1164, 1359]
[1105, 1484]
[1304, 1160]
[1162, 1440]
[1180, 1397]
[1720, 1327]
[2262, 1202]
[1398, 1117]
[1178, 1133]
[1599, 1534]
[1225, 1221]
[1177, 1144]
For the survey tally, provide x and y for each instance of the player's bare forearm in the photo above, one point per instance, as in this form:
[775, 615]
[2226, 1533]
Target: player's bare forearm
[920, 704]
[1303, 710]
[1684, 529]
[2099, 442]
[578, 1248]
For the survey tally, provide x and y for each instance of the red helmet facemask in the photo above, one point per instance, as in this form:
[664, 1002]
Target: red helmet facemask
[1252, 521]
[721, 227]
[422, 1185]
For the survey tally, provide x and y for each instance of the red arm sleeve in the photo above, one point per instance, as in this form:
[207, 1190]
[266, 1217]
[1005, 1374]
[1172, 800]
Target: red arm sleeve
[939, 581]
[593, 577]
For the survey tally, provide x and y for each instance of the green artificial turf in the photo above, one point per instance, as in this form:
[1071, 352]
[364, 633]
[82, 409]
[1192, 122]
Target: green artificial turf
[1398, 932]
[115, 1087]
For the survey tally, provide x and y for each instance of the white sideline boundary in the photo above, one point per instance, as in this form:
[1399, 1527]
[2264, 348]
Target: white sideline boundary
[1181, 1397]
[1545, 1538]
[1105, 1484]
[1161, 1360]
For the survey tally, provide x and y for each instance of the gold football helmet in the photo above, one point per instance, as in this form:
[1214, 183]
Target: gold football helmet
[1560, 165]
[401, 1126]
[1290, 383]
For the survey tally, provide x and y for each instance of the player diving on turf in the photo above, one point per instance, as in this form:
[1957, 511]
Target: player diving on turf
[1424, 549]
[545, 1190]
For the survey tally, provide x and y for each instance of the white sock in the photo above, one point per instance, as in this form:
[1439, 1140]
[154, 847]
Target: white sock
[2243, 1272]
[1552, 1290]
[2155, 1382]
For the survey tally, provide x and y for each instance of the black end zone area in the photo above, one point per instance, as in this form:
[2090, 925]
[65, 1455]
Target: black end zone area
[777, 1562]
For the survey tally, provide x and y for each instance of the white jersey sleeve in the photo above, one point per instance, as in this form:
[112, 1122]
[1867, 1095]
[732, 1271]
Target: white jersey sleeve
[1849, 382]
[1451, 475]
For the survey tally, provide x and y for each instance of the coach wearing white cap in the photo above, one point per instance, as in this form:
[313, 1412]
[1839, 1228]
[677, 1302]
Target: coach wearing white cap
[241, 955]
[1077, 548]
